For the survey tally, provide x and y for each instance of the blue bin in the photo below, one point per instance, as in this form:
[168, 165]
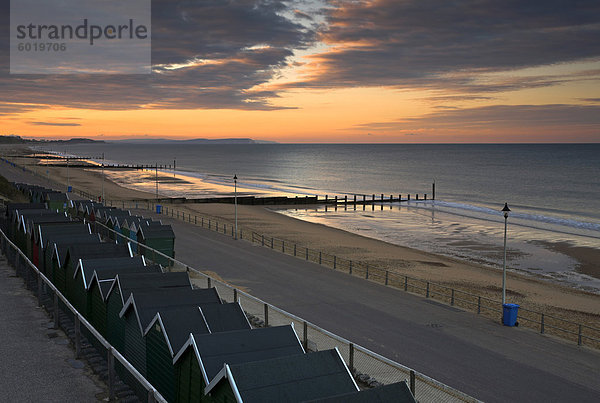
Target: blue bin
[510, 313]
[69, 189]
[158, 209]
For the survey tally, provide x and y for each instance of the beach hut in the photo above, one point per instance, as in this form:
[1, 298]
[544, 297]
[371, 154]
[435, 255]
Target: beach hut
[141, 307]
[56, 201]
[122, 288]
[46, 231]
[160, 238]
[134, 225]
[167, 332]
[296, 378]
[19, 225]
[114, 223]
[170, 329]
[99, 288]
[203, 355]
[56, 246]
[75, 252]
[12, 210]
[33, 223]
[104, 268]
[396, 392]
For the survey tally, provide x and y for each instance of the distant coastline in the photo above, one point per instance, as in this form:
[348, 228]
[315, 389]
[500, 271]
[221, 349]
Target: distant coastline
[12, 139]
[192, 141]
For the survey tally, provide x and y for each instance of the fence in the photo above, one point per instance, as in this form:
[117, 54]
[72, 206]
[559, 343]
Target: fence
[72, 322]
[545, 323]
[368, 367]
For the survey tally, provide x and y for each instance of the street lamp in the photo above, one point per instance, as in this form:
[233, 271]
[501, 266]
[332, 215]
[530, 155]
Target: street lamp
[235, 202]
[102, 178]
[505, 210]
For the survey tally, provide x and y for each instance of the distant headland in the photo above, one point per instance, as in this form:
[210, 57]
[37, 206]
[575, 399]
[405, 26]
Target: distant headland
[13, 139]
[193, 141]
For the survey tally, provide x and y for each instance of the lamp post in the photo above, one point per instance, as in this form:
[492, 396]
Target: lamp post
[505, 210]
[235, 202]
[68, 178]
[102, 177]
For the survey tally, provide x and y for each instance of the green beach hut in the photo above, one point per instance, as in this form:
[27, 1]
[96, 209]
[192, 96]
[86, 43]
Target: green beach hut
[100, 285]
[296, 378]
[56, 247]
[104, 269]
[63, 275]
[170, 329]
[122, 288]
[202, 357]
[160, 238]
[141, 307]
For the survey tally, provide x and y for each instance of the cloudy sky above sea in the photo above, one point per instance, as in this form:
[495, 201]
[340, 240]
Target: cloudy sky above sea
[414, 71]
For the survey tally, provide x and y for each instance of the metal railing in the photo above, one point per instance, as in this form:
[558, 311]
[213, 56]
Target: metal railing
[543, 322]
[62, 311]
[368, 367]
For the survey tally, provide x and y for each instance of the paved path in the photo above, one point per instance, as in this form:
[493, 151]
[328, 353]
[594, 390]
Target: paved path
[468, 352]
[36, 361]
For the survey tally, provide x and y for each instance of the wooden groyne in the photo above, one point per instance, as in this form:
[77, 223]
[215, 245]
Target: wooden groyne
[345, 200]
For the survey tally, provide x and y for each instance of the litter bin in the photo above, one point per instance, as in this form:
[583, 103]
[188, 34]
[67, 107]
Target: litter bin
[510, 312]
[158, 209]
[69, 189]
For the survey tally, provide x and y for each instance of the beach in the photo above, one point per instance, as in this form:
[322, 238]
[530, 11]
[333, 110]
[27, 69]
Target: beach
[526, 290]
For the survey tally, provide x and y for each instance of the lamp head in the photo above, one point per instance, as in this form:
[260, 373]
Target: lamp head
[505, 210]
[234, 177]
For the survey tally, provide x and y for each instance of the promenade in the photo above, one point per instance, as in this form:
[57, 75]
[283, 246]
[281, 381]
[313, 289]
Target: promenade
[484, 359]
[36, 362]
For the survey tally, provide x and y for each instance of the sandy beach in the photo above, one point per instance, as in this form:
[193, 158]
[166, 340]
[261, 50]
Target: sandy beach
[528, 291]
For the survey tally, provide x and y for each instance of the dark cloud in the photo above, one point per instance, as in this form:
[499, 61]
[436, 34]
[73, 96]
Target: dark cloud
[11, 108]
[424, 42]
[53, 124]
[205, 54]
[571, 119]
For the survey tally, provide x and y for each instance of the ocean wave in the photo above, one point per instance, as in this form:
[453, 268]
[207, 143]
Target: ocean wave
[540, 218]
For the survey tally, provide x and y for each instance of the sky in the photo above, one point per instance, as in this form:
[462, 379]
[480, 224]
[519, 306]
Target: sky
[329, 71]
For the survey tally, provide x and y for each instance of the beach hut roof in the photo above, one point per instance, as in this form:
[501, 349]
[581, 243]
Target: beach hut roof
[395, 392]
[127, 283]
[47, 219]
[225, 317]
[12, 207]
[75, 252]
[48, 230]
[60, 227]
[61, 242]
[214, 350]
[56, 196]
[107, 268]
[158, 231]
[146, 303]
[177, 322]
[296, 378]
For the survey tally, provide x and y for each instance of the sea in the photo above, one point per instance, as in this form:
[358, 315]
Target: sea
[552, 190]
